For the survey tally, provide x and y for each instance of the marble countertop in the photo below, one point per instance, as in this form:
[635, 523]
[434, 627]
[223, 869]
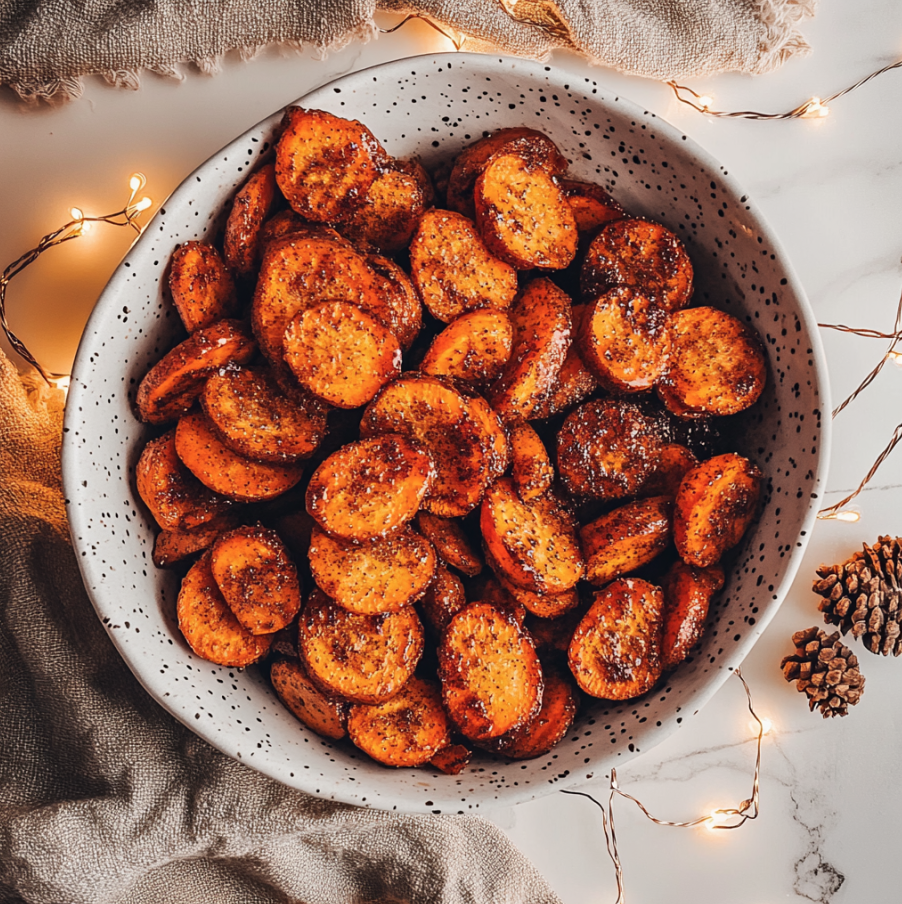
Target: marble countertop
[832, 190]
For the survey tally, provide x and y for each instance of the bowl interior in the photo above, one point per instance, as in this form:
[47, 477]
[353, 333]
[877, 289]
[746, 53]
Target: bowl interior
[432, 106]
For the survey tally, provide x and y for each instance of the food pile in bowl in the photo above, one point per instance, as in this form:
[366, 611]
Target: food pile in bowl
[453, 466]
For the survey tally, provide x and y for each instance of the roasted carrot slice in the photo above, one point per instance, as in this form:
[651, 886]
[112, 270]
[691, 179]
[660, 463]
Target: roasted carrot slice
[671, 465]
[300, 271]
[532, 470]
[606, 449]
[172, 547]
[490, 673]
[437, 415]
[171, 386]
[254, 418]
[209, 626]
[642, 255]
[615, 653]
[443, 600]
[257, 578]
[363, 658]
[452, 760]
[474, 158]
[688, 592]
[325, 165]
[625, 539]
[370, 488]
[288, 223]
[453, 270]
[534, 544]
[523, 215]
[545, 605]
[474, 348]
[560, 702]
[714, 507]
[242, 244]
[413, 167]
[592, 206]
[341, 354]
[389, 212]
[226, 472]
[382, 576]
[407, 730]
[542, 334]
[717, 366]
[626, 340]
[323, 714]
[450, 542]
[487, 588]
[404, 304]
[201, 286]
[494, 439]
[177, 500]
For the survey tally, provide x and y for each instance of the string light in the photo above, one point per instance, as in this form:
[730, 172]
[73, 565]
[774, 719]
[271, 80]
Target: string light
[456, 40]
[721, 819]
[75, 228]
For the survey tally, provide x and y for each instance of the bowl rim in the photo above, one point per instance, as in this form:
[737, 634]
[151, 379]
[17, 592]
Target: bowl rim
[91, 569]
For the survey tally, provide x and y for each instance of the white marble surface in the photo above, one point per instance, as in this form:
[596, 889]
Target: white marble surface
[832, 189]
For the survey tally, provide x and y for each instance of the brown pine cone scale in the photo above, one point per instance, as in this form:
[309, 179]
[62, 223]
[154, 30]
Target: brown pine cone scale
[826, 670]
[864, 595]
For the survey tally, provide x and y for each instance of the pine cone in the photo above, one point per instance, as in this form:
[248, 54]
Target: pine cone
[826, 670]
[864, 595]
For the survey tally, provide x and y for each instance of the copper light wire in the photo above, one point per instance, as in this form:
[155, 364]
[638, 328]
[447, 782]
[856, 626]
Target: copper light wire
[720, 819]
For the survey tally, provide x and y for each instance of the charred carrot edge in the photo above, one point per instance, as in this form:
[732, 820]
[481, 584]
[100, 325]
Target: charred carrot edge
[173, 547]
[241, 243]
[450, 542]
[532, 470]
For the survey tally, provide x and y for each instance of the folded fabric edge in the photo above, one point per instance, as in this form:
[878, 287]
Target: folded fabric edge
[782, 38]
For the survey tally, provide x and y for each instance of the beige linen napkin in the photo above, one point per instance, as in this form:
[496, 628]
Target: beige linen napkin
[47, 45]
[105, 798]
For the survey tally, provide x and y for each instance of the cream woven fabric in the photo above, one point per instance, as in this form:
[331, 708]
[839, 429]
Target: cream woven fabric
[104, 798]
[47, 45]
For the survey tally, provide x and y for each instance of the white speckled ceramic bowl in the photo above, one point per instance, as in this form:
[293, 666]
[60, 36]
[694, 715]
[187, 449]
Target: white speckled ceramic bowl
[432, 106]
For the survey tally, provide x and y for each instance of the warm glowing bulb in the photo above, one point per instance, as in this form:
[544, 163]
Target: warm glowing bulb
[814, 109]
[80, 227]
[848, 516]
[711, 823]
[136, 182]
[143, 204]
[896, 358]
[764, 728]
[76, 213]
[705, 102]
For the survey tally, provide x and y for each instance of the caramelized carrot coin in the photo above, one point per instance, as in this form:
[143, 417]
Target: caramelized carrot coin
[625, 539]
[370, 488]
[542, 334]
[325, 165]
[672, 463]
[523, 214]
[474, 348]
[174, 546]
[241, 244]
[453, 270]
[534, 544]
[452, 760]
[592, 206]
[528, 143]
[545, 605]
[171, 386]
[254, 418]
[688, 592]
[615, 653]
[606, 449]
[560, 701]
[363, 658]
[288, 223]
[404, 305]
[381, 576]
[626, 340]
[201, 286]
[641, 255]
[257, 578]
[439, 417]
[323, 714]
[226, 472]
[450, 542]
[407, 730]
[490, 673]
[714, 507]
[177, 500]
[532, 470]
[340, 353]
[493, 440]
[717, 366]
[443, 600]
[209, 626]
